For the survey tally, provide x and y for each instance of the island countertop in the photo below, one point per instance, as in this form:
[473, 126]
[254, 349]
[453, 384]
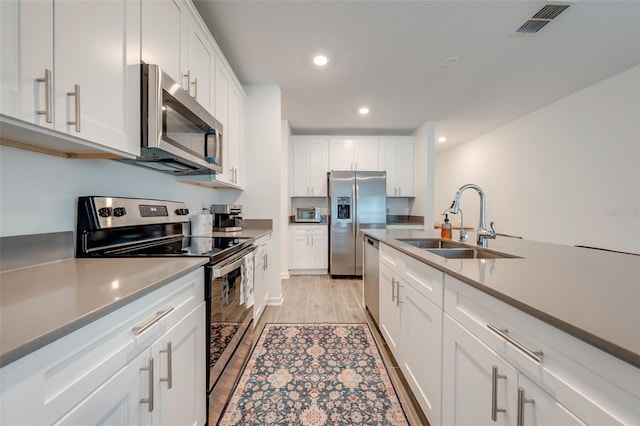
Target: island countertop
[42, 303]
[592, 295]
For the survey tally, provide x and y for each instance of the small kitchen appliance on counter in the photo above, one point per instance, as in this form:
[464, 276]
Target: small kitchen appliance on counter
[307, 215]
[131, 227]
[227, 217]
[201, 223]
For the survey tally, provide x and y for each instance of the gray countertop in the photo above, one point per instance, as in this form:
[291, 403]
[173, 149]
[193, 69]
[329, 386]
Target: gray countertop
[245, 233]
[591, 294]
[42, 303]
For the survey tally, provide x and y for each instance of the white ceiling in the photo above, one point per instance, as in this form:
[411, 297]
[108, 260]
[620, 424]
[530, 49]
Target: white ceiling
[389, 56]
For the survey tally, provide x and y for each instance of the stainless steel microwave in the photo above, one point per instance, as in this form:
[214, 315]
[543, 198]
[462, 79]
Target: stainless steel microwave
[307, 214]
[179, 136]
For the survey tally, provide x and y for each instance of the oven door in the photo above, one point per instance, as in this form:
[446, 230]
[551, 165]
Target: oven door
[229, 297]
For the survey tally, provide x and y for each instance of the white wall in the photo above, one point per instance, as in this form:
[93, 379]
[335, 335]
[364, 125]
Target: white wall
[263, 163]
[38, 192]
[425, 156]
[567, 173]
[285, 201]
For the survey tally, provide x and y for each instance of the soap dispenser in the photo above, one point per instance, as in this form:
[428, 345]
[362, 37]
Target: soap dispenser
[446, 233]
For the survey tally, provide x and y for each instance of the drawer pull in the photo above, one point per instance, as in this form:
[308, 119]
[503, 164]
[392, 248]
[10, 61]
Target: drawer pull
[76, 95]
[521, 401]
[159, 315]
[149, 400]
[169, 378]
[494, 393]
[535, 355]
[48, 95]
[393, 289]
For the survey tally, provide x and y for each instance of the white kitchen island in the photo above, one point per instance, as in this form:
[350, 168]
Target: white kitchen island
[488, 319]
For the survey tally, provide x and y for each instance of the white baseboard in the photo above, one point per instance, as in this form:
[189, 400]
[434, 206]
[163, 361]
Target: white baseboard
[308, 272]
[285, 275]
[275, 301]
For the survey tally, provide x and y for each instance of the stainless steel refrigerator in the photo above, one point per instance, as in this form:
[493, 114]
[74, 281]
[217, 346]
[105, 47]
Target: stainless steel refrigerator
[358, 200]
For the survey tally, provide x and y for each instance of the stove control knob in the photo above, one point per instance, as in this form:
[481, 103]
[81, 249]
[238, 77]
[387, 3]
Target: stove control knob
[182, 212]
[119, 211]
[104, 212]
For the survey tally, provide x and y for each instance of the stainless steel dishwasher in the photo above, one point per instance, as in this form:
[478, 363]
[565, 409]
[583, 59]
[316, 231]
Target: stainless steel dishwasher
[370, 277]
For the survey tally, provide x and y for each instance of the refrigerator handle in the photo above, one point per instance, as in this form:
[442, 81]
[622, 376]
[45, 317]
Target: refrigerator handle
[356, 219]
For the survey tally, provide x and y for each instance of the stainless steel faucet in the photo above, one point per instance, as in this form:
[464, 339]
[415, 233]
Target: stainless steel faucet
[463, 233]
[483, 233]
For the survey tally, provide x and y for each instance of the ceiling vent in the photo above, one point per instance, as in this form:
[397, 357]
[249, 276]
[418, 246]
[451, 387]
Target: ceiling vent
[541, 18]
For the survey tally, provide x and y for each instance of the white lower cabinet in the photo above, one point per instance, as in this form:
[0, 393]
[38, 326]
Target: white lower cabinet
[141, 364]
[481, 361]
[309, 249]
[542, 376]
[164, 385]
[389, 310]
[179, 387]
[411, 324]
[478, 387]
[117, 402]
[537, 408]
[260, 267]
[421, 324]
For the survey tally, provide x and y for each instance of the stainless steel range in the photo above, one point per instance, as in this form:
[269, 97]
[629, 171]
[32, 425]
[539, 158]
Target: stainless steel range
[132, 227]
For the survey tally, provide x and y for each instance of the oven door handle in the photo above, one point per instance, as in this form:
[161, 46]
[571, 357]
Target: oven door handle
[225, 268]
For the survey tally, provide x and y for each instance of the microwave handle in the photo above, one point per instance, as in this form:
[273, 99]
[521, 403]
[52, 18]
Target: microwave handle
[211, 157]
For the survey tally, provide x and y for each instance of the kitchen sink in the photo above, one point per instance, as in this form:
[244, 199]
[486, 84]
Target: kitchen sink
[428, 243]
[453, 250]
[469, 253]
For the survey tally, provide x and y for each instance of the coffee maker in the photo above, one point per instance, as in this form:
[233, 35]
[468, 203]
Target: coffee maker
[227, 217]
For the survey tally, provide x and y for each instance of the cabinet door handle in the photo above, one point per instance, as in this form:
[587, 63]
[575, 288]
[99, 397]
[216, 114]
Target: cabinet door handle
[48, 96]
[169, 378]
[399, 191]
[144, 327]
[504, 333]
[188, 76]
[194, 83]
[393, 289]
[76, 95]
[266, 261]
[494, 393]
[521, 401]
[149, 400]
[398, 301]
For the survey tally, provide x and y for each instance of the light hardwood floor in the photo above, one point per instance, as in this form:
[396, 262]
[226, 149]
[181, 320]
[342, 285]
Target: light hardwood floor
[319, 298]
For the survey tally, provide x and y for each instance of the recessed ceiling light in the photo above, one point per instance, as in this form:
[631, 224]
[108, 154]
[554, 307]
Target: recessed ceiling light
[450, 61]
[364, 110]
[442, 139]
[320, 60]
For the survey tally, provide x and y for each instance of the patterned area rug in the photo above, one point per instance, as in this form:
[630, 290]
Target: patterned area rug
[221, 335]
[314, 374]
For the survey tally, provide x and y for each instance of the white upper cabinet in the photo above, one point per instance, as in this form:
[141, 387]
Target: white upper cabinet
[397, 157]
[163, 43]
[229, 101]
[205, 74]
[97, 72]
[353, 154]
[174, 39]
[200, 65]
[85, 84]
[26, 64]
[310, 166]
